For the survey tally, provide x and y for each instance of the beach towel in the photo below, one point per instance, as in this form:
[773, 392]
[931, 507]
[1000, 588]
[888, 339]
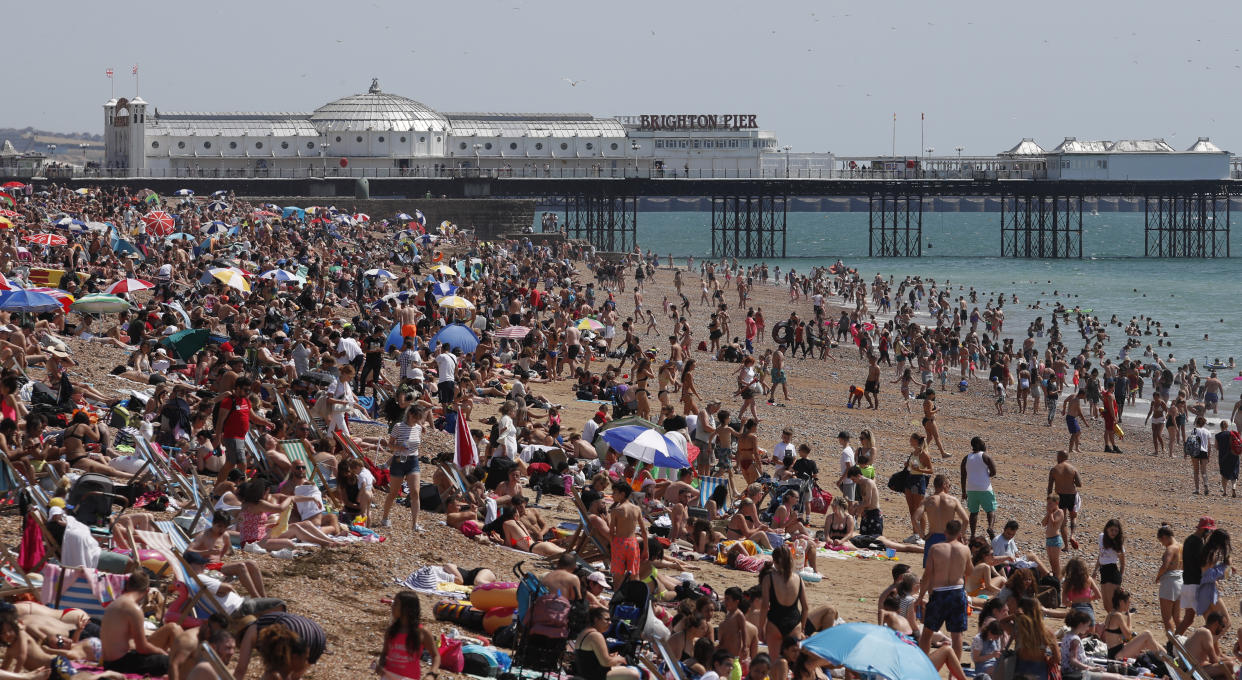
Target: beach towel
[32, 550]
[80, 587]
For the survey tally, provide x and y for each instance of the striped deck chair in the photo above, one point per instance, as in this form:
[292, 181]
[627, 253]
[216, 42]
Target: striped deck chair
[16, 581]
[209, 654]
[255, 451]
[298, 455]
[163, 473]
[1193, 670]
[175, 535]
[707, 487]
[282, 407]
[81, 588]
[199, 601]
[459, 480]
[584, 542]
[299, 410]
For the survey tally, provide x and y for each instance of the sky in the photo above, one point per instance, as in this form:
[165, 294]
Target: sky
[823, 76]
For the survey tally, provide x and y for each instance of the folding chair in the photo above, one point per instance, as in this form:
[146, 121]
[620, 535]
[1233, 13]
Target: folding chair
[162, 472]
[16, 581]
[256, 452]
[707, 488]
[459, 480]
[585, 543]
[674, 667]
[1194, 670]
[180, 539]
[200, 602]
[82, 588]
[298, 407]
[298, 455]
[222, 671]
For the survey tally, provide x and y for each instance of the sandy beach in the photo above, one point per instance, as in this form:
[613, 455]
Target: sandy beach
[342, 587]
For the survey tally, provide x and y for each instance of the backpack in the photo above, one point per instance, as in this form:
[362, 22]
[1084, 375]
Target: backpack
[1190, 447]
[1235, 443]
[549, 616]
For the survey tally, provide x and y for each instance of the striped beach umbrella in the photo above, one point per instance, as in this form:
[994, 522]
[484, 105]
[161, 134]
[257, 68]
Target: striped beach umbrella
[63, 297]
[456, 302]
[158, 222]
[47, 239]
[100, 304]
[128, 286]
[229, 277]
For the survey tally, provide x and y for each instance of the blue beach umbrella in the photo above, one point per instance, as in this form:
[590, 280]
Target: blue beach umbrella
[28, 301]
[866, 648]
[403, 217]
[380, 273]
[217, 205]
[179, 236]
[280, 275]
[457, 336]
[647, 445]
[293, 211]
[183, 192]
[420, 218]
[443, 289]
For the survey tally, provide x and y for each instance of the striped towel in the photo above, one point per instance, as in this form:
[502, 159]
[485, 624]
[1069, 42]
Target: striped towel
[83, 588]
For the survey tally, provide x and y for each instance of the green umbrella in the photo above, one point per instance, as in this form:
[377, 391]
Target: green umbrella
[186, 343]
[100, 304]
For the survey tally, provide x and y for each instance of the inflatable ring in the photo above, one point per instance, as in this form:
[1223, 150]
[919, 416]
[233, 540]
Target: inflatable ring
[437, 257]
[497, 618]
[492, 595]
[782, 333]
[154, 562]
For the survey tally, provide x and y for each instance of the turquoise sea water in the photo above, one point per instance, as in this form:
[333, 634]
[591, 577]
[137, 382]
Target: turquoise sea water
[1199, 296]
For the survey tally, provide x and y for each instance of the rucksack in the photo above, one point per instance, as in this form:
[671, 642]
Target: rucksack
[1235, 443]
[1190, 447]
[549, 616]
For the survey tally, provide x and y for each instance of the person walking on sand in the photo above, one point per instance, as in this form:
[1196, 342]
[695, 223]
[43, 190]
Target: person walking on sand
[1074, 419]
[919, 470]
[1169, 577]
[940, 508]
[929, 420]
[946, 569]
[1227, 459]
[1192, 571]
[871, 388]
[1198, 451]
[978, 469]
[778, 375]
[1108, 407]
[1064, 481]
[1157, 412]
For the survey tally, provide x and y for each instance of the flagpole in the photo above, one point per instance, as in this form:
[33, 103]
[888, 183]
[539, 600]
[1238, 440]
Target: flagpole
[894, 151]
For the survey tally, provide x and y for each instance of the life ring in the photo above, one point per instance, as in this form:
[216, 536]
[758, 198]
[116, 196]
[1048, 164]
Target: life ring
[437, 257]
[783, 333]
[492, 595]
[497, 618]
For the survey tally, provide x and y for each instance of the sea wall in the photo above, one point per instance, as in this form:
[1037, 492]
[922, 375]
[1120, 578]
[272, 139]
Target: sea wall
[490, 217]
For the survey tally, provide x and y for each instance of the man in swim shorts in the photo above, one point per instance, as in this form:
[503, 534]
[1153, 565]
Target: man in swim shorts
[871, 388]
[945, 578]
[625, 521]
[940, 508]
[1063, 480]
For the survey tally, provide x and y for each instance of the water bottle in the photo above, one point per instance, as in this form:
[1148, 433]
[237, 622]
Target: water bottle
[568, 481]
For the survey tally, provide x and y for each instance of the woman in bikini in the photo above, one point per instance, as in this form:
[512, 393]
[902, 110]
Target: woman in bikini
[782, 603]
[508, 531]
[1024, 386]
[667, 381]
[747, 384]
[741, 528]
[1156, 413]
[75, 438]
[642, 373]
[929, 420]
[1122, 641]
[749, 455]
[919, 466]
[689, 394]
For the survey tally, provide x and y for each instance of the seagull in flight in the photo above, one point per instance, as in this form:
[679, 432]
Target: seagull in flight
[572, 82]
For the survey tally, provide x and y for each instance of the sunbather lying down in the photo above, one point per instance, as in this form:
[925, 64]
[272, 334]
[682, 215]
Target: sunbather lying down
[507, 530]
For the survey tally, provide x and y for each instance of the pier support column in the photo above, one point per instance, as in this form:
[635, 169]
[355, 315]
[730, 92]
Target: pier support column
[1186, 224]
[749, 227]
[1041, 227]
[895, 225]
[610, 223]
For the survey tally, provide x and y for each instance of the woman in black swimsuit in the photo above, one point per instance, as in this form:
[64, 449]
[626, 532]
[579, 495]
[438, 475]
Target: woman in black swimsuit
[783, 610]
[74, 440]
[592, 659]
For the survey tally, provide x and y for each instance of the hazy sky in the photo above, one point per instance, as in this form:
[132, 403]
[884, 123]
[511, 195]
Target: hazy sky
[822, 76]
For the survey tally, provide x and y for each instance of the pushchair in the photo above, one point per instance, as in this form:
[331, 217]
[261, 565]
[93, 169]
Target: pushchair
[91, 498]
[777, 493]
[630, 607]
[539, 645]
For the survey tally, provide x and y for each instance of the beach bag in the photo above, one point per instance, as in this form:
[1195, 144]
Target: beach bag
[549, 616]
[899, 480]
[482, 661]
[820, 501]
[1235, 443]
[451, 657]
[1190, 447]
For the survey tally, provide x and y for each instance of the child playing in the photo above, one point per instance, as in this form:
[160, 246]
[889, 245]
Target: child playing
[999, 389]
[406, 640]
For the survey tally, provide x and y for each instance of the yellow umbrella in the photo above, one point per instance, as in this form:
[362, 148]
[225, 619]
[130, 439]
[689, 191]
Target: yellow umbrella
[447, 271]
[456, 302]
[232, 279]
[6, 223]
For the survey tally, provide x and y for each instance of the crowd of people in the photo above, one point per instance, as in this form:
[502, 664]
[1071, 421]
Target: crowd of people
[393, 334]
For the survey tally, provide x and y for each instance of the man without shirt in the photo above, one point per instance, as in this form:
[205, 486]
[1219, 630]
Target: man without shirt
[871, 520]
[940, 507]
[1203, 648]
[126, 646]
[944, 577]
[1063, 480]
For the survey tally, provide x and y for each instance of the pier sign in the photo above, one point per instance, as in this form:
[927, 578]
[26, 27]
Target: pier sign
[693, 121]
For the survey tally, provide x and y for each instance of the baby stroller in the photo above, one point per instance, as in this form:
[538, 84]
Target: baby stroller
[92, 498]
[800, 485]
[630, 607]
[542, 633]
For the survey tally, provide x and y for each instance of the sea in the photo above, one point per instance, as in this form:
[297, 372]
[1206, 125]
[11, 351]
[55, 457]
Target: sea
[1195, 300]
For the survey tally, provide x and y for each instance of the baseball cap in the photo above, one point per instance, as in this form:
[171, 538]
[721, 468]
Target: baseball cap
[1206, 522]
[598, 577]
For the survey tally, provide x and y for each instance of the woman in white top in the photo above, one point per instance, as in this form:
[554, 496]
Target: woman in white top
[340, 398]
[405, 440]
[1110, 566]
[507, 438]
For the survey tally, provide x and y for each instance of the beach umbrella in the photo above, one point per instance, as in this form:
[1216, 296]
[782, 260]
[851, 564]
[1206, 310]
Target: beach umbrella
[128, 286]
[446, 270]
[457, 336]
[5, 284]
[123, 247]
[5, 199]
[222, 192]
[10, 213]
[589, 324]
[6, 223]
[151, 198]
[179, 236]
[280, 275]
[362, 217]
[28, 301]
[82, 191]
[380, 272]
[47, 239]
[12, 185]
[183, 192]
[186, 343]
[100, 304]
[444, 226]
[65, 222]
[399, 296]
[265, 213]
[346, 219]
[217, 206]
[420, 218]
[293, 211]
[63, 297]
[403, 217]
[442, 289]
[99, 226]
[871, 650]
[213, 228]
[514, 332]
[158, 222]
[646, 445]
[229, 277]
[456, 302]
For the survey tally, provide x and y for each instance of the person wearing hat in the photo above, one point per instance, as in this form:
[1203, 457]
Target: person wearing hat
[1192, 570]
[593, 587]
[229, 598]
[592, 426]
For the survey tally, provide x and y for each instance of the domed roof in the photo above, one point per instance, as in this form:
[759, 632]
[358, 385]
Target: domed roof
[377, 110]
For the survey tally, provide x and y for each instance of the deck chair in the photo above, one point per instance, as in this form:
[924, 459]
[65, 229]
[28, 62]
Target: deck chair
[299, 410]
[707, 487]
[163, 472]
[282, 407]
[15, 581]
[80, 588]
[256, 452]
[180, 540]
[459, 480]
[1194, 670]
[200, 602]
[583, 542]
[298, 455]
[675, 670]
[210, 656]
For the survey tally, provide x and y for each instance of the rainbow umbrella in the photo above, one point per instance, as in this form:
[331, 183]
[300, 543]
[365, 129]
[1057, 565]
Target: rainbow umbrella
[63, 297]
[589, 324]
